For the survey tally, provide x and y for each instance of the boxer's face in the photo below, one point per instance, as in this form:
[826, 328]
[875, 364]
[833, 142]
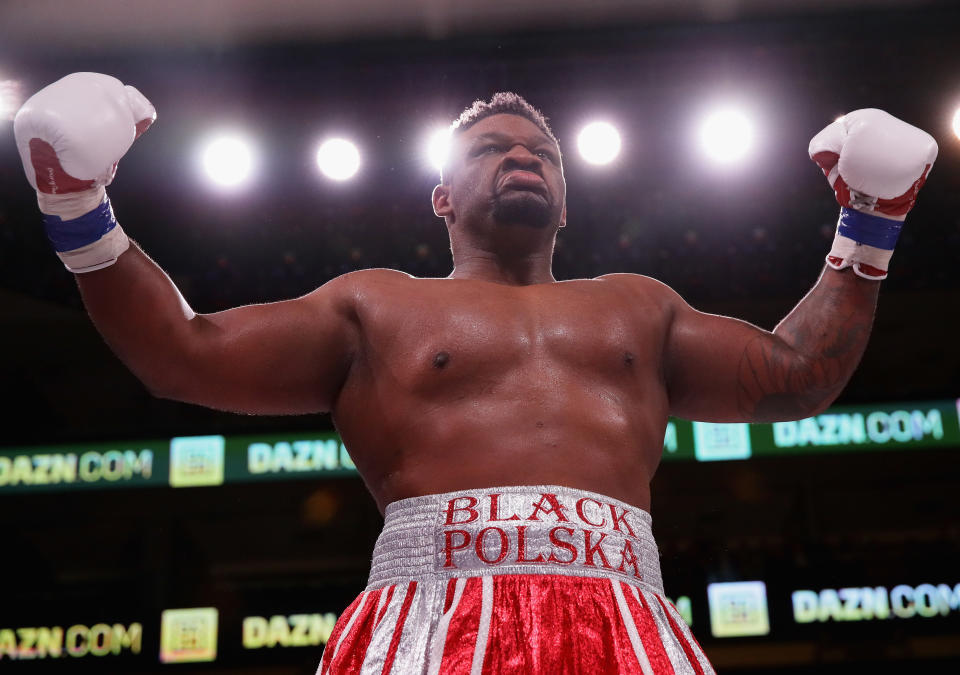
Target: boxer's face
[505, 169]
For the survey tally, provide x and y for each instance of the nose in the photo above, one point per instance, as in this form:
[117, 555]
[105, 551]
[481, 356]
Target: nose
[519, 157]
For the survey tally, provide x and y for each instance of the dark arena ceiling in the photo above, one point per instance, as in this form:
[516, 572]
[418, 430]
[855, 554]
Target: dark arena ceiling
[92, 24]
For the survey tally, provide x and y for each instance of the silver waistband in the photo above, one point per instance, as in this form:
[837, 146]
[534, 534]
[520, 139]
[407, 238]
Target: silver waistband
[540, 529]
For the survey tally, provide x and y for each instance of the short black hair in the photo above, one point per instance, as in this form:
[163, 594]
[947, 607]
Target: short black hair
[503, 102]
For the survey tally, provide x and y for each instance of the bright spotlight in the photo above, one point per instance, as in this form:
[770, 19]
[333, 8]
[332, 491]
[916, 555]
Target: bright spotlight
[228, 160]
[726, 135]
[338, 159]
[956, 123]
[599, 143]
[438, 147]
[10, 99]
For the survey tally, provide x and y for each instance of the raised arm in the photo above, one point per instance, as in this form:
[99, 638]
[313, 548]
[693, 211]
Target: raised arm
[720, 369]
[280, 358]
[285, 357]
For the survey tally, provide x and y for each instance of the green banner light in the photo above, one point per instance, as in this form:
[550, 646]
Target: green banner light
[193, 461]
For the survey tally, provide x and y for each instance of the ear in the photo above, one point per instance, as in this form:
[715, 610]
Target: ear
[563, 216]
[441, 201]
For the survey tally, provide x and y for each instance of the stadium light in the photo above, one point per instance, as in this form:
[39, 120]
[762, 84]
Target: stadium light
[956, 123]
[10, 99]
[438, 147]
[599, 143]
[726, 135]
[338, 159]
[227, 160]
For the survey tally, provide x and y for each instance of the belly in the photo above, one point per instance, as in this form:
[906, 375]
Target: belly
[570, 432]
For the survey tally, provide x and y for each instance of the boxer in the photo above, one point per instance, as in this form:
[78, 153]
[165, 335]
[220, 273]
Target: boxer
[508, 425]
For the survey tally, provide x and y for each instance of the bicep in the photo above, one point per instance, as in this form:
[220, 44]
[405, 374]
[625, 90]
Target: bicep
[279, 358]
[719, 369]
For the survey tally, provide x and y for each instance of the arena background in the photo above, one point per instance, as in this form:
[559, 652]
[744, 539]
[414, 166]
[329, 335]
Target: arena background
[273, 553]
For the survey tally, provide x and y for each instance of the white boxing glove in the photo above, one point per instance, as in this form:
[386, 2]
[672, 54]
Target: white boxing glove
[876, 164]
[71, 135]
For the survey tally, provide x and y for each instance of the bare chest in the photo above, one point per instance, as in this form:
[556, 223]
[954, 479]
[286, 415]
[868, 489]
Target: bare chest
[444, 329]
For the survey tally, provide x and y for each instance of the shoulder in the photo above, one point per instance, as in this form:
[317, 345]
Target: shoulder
[347, 292]
[648, 287]
[369, 287]
[361, 282]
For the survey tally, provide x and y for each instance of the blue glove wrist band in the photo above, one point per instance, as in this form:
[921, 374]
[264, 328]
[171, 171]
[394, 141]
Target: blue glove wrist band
[870, 230]
[67, 235]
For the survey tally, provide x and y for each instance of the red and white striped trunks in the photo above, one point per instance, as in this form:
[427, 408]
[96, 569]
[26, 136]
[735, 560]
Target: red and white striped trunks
[513, 580]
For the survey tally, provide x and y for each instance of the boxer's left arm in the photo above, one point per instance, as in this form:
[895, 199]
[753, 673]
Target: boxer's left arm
[719, 369]
[724, 370]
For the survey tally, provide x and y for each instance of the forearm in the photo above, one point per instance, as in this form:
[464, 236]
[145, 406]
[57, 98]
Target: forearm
[142, 316]
[818, 346]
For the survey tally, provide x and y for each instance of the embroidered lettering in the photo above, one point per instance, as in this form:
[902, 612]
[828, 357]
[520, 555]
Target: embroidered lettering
[583, 516]
[560, 543]
[628, 557]
[622, 518]
[594, 549]
[522, 547]
[449, 547]
[453, 508]
[494, 510]
[556, 508]
[504, 545]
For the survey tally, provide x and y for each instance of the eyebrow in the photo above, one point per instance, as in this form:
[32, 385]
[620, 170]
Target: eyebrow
[500, 137]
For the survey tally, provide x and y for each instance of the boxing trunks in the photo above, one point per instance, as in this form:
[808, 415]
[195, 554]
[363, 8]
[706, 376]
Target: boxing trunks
[513, 580]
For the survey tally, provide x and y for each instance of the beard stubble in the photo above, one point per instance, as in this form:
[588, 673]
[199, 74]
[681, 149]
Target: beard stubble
[519, 207]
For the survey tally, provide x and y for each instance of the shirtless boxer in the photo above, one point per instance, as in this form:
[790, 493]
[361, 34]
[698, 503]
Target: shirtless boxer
[507, 424]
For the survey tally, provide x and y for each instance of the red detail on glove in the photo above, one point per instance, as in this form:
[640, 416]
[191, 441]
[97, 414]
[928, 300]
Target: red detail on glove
[872, 271]
[142, 126]
[835, 260]
[51, 178]
[826, 160]
[897, 206]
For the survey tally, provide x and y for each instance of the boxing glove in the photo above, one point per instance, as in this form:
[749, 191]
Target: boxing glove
[71, 135]
[876, 164]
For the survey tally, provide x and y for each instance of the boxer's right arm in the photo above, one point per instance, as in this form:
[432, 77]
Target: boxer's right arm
[280, 358]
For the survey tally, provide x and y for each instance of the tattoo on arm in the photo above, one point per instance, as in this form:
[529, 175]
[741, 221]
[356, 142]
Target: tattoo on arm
[810, 356]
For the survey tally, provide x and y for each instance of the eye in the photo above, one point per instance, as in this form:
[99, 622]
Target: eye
[546, 154]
